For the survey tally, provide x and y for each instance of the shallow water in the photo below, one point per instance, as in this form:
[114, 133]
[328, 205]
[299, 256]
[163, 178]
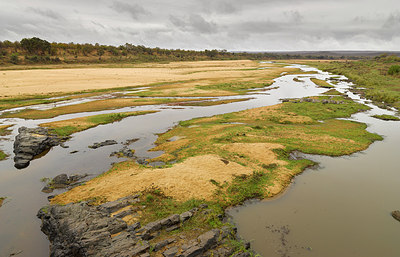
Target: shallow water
[19, 227]
[341, 208]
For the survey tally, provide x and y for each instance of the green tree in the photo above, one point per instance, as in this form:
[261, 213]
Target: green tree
[36, 45]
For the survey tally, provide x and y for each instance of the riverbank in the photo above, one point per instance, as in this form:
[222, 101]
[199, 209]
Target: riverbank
[250, 149]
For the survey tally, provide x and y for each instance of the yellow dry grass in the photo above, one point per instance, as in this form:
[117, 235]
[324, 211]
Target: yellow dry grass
[183, 181]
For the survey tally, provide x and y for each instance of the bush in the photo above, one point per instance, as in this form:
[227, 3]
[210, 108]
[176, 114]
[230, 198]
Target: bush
[394, 69]
[14, 58]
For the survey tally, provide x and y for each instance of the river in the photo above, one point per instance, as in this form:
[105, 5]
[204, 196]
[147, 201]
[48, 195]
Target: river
[354, 195]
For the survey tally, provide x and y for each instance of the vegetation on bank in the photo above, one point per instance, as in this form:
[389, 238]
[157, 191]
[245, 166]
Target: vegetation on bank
[65, 128]
[332, 92]
[2, 200]
[34, 50]
[379, 77]
[98, 105]
[386, 117]
[4, 131]
[321, 83]
[212, 103]
[260, 140]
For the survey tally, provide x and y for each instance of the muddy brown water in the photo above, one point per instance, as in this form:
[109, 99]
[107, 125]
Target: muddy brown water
[20, 229]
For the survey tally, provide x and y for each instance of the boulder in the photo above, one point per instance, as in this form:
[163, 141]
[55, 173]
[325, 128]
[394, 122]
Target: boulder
[31, 142]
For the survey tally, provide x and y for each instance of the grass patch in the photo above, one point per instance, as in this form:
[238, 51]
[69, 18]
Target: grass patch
[4, 131]
[372, 75]
[386, 117]
[237, 87]
[332, 92]
[99, 105]
[67, 127]
[212, 103]
[321, 83]
[3, 155]
[321, 111]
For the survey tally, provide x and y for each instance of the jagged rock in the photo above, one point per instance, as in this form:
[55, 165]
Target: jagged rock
[101, 144]
[83, 230]
[396, 215]
[31, 142]
[123, 214]
[171, 252]
[119, 204]
[162, 244]
[186, 215]
[62, 181]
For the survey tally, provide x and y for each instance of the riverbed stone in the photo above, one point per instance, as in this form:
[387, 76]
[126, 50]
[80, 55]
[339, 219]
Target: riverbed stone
[31, 142]
[396, 215]
[101, 144]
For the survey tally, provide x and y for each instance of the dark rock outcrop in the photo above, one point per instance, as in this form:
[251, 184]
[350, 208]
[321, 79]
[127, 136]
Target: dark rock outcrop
[31, 142]
[83, 230]
[396, 215]
[63, 181]
[101, 144]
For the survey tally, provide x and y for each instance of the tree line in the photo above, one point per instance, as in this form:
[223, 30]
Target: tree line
[35, 50]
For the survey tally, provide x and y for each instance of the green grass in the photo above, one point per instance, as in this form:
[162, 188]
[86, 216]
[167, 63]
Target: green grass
[386, 117]
[89, 122]
[332, 92]
[320, 111]
[321, 83]
[3, 156]
[372, 75]
[237, 87]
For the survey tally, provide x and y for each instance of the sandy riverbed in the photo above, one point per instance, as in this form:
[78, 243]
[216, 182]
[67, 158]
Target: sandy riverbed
[45, 81]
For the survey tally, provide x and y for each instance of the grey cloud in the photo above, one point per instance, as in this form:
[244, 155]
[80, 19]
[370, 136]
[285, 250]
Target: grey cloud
[134, 10]
[294, 16]
[393, 21]
[194, 23]
[46, 13]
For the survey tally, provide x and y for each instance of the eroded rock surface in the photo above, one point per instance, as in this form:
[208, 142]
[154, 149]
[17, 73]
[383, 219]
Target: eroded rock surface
[83, 230]
[31, 142]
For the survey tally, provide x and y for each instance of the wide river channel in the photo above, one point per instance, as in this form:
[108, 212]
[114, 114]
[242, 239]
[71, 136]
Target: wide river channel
[340, 208]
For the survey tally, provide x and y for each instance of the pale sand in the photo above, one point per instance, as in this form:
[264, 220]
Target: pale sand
[46, 81]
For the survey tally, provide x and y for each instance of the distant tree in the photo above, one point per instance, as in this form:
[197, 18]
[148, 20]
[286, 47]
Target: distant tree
[36, 45]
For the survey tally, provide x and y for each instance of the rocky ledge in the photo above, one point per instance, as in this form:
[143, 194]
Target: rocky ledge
[31, 142]
[83, 230]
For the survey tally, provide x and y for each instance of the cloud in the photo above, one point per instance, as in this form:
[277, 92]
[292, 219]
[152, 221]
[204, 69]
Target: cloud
[46, 13]
[134, 10]
[194, 23]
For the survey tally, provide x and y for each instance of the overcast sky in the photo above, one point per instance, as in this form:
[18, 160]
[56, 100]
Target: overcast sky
[209, 24]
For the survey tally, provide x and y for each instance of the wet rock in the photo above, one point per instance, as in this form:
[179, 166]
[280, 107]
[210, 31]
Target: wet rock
[101, 144]
[31, 142]
[124, 152]
[396, 215]
[62, 181]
